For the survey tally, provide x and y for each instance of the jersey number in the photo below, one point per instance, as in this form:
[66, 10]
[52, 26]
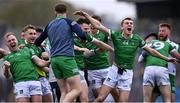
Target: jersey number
[158, 45]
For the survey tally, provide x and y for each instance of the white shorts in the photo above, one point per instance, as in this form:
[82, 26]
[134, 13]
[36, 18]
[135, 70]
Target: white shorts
[27, 89]
[82, 77]
[123, 82]
[97, 77]
[46, 88]
[156, 75]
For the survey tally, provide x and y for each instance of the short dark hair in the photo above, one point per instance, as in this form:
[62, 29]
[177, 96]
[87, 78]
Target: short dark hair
[38, 29]
[96, 17]
[82, 20]
[127, 18]
[60, 8]
[165, 25]
[151, 34]
[28, 27]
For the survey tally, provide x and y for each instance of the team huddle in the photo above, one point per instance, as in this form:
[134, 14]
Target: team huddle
[75, 54]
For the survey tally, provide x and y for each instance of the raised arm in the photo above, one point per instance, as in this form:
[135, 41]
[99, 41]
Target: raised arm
[94, 22]
[41, 38]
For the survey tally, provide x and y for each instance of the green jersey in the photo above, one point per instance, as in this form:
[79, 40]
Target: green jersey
[79, 54]
[21, 41]
[22, 68]
[100, 60]
[125, 49]
[37, 51]
[162, 47]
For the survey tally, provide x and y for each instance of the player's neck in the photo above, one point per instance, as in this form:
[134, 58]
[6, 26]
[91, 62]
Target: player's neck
[95, 32]
[126, 35]
[14, 49]
[61, 15]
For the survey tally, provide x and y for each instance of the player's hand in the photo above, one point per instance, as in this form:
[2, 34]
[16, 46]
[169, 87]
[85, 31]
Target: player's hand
[6, 64]
[84, 49]
[89, 53]
[173, 60]
[45, 56]
[80, 13]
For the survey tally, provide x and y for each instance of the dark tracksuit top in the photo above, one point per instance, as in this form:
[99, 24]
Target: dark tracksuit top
[60, 34]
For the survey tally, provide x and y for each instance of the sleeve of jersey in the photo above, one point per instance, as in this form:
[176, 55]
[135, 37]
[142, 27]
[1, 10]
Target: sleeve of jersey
[142, 56]
[142, 43]
[42, 37]
[172, 49]
[76, 29]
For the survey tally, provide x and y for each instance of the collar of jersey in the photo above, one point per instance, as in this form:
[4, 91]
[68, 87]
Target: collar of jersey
[128, 37]
[60, 17]
[168, 40]
[97, 32]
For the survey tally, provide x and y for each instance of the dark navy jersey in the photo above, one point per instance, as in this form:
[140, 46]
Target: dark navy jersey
[60, 34]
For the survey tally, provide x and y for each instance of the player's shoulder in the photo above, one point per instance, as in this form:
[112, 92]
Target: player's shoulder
[172, 43]
[137, 36]
[115, 32]
[25, 49]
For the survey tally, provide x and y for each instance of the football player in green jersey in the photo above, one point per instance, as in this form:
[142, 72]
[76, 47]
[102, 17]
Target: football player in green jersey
[20, 63]
[79, 50]
[156, 73]
[125, 44]
[165, 31]
[31, 35]
[84, 24]
[98, 64]
[141, 59]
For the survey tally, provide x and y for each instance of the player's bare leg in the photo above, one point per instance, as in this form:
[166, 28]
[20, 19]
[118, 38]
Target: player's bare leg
[84, 92]
[25, 99]
[63, 88]
[115, 94]
[105, 90]
[165, 93]
[123, 96]
[36, 98]
[147, 93]
[74, 83]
